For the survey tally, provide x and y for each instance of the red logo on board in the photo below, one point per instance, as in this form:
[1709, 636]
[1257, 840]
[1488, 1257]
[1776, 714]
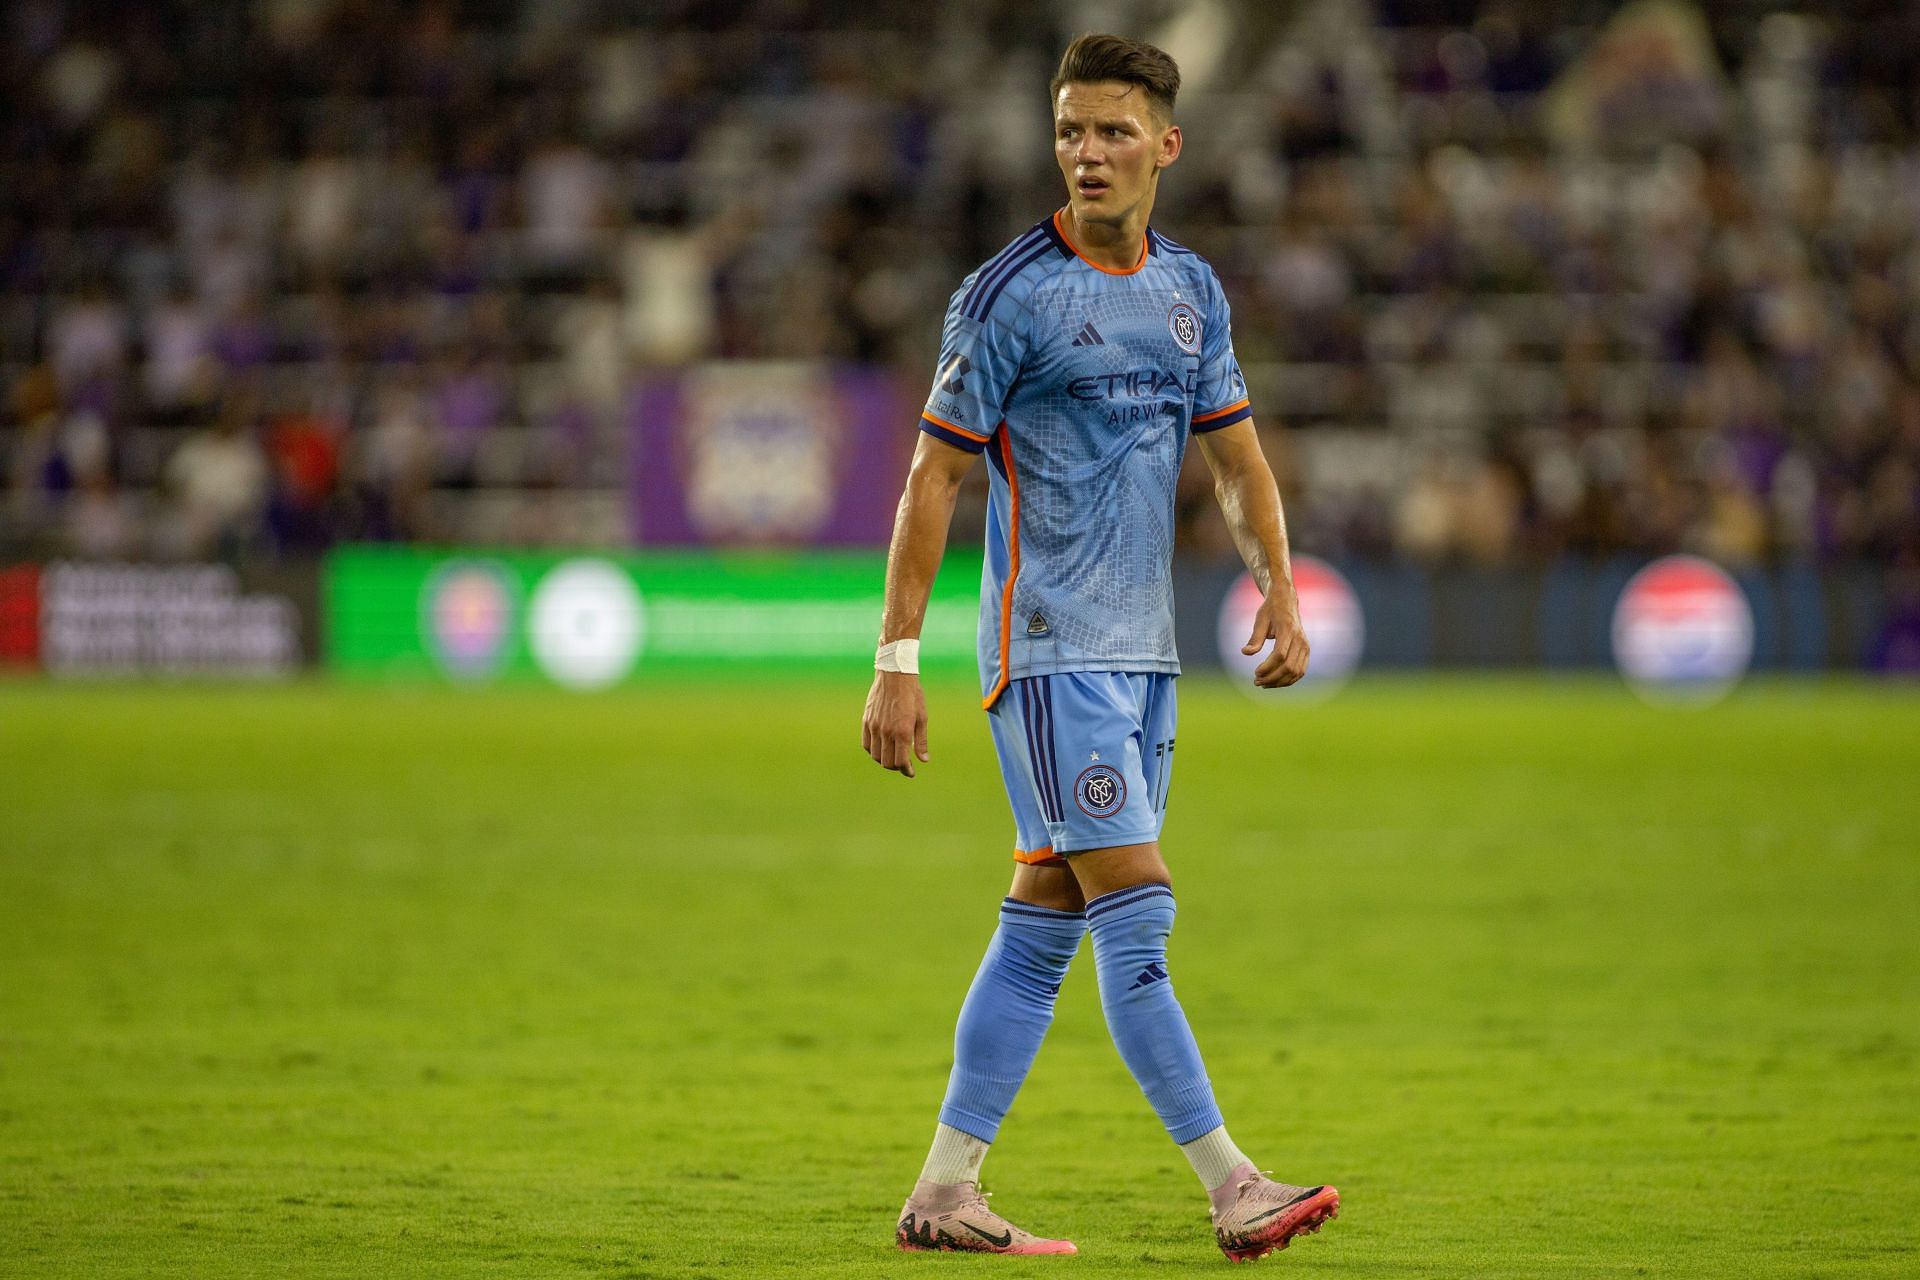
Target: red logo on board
[20, 616]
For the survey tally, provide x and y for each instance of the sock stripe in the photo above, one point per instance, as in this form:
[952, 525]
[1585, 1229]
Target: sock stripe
[1107, 902]
[1013, 906]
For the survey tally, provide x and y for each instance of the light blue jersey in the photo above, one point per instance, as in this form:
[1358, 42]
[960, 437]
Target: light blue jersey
[1081, 384]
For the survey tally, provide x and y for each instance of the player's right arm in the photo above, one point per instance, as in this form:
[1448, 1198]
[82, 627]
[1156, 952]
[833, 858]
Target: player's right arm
[982, 345]
[894, 729]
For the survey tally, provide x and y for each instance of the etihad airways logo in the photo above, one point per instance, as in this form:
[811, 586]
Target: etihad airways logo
[1134, 384]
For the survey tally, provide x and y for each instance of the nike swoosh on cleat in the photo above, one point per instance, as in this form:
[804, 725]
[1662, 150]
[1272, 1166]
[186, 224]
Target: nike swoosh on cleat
[998, 1242]
[1304, 1195]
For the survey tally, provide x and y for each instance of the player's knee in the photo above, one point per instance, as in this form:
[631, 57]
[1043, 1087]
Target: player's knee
[1048, 885]
[1137, 920]
[1154, 925]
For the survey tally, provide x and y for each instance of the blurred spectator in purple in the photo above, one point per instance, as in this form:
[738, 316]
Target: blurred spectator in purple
[565, 198]
[1896, 648]
[390, 464]
[89, 337]
[245, 338]
[182, 374]
[469, 402]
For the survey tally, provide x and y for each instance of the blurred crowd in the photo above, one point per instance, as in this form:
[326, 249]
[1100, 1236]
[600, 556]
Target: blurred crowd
[1516, 279]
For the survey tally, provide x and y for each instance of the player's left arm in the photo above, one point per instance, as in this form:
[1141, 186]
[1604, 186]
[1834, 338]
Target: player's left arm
[1250, 500]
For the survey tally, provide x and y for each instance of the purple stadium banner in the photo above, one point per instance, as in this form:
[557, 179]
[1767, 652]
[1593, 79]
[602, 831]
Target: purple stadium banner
[768, 453]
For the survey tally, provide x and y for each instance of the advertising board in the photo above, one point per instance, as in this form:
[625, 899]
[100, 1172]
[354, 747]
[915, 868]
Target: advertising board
[111, 620]
[592, 621]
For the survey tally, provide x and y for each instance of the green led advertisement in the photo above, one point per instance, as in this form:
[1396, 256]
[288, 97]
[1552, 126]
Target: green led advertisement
[588, 621]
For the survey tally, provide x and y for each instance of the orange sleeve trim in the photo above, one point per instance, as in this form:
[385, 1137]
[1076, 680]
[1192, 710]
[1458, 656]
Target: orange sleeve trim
[959, 431]
[1235, 407]
[1112, 271]
[1013, 571]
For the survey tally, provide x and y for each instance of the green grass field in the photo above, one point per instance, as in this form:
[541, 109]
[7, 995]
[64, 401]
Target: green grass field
[356, 982]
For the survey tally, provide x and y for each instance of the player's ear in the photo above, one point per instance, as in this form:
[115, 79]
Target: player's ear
[1169, 147]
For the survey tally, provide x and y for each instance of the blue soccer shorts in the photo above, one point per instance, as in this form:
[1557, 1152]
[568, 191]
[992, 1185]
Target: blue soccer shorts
[1087, 757]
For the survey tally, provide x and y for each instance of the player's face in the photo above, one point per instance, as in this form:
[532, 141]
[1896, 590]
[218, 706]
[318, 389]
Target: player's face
[1110, 146]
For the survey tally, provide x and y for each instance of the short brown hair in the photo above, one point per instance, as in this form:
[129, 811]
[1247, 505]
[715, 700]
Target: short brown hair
[1108, 57]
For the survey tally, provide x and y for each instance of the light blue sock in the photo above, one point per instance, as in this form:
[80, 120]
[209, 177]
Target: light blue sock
[1007, 1012]
[1130, 928]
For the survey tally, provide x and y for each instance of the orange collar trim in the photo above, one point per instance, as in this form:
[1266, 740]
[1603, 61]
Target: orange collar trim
[1112, 271]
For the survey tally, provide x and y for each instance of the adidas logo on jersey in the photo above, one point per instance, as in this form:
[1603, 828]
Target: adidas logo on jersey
[1088, 336]
[1037, 625]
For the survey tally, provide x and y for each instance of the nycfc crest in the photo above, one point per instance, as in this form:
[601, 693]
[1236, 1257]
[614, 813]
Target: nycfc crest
[1184, 324]
[1100, 791]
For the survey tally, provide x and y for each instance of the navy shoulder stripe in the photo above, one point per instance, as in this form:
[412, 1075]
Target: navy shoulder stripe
[1059, 241]
[983, 305]
[998, 263]
[1168, 246]
[993, 278]
[1013, 249]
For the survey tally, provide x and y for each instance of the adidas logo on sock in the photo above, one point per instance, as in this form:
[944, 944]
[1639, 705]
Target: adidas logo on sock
[1088, 336]
[1155, 972]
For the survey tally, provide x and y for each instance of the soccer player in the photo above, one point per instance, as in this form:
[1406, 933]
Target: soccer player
[1079, 360]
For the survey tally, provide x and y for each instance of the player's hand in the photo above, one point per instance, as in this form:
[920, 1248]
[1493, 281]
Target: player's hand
[894, 729]
[1278, 620]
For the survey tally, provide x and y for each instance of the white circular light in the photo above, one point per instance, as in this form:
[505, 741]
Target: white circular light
[587, 624]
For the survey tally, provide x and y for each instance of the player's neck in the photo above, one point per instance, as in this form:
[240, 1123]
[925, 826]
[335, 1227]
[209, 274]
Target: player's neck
[1117, 246]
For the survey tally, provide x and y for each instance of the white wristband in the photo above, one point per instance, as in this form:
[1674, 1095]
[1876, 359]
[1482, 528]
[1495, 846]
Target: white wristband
[898, 655]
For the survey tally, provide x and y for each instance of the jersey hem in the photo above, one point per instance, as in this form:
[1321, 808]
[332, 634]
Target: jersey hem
[1066, 666]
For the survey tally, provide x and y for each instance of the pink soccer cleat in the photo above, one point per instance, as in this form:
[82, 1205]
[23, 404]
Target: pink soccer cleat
[954, 1217]
[1265, 1214]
